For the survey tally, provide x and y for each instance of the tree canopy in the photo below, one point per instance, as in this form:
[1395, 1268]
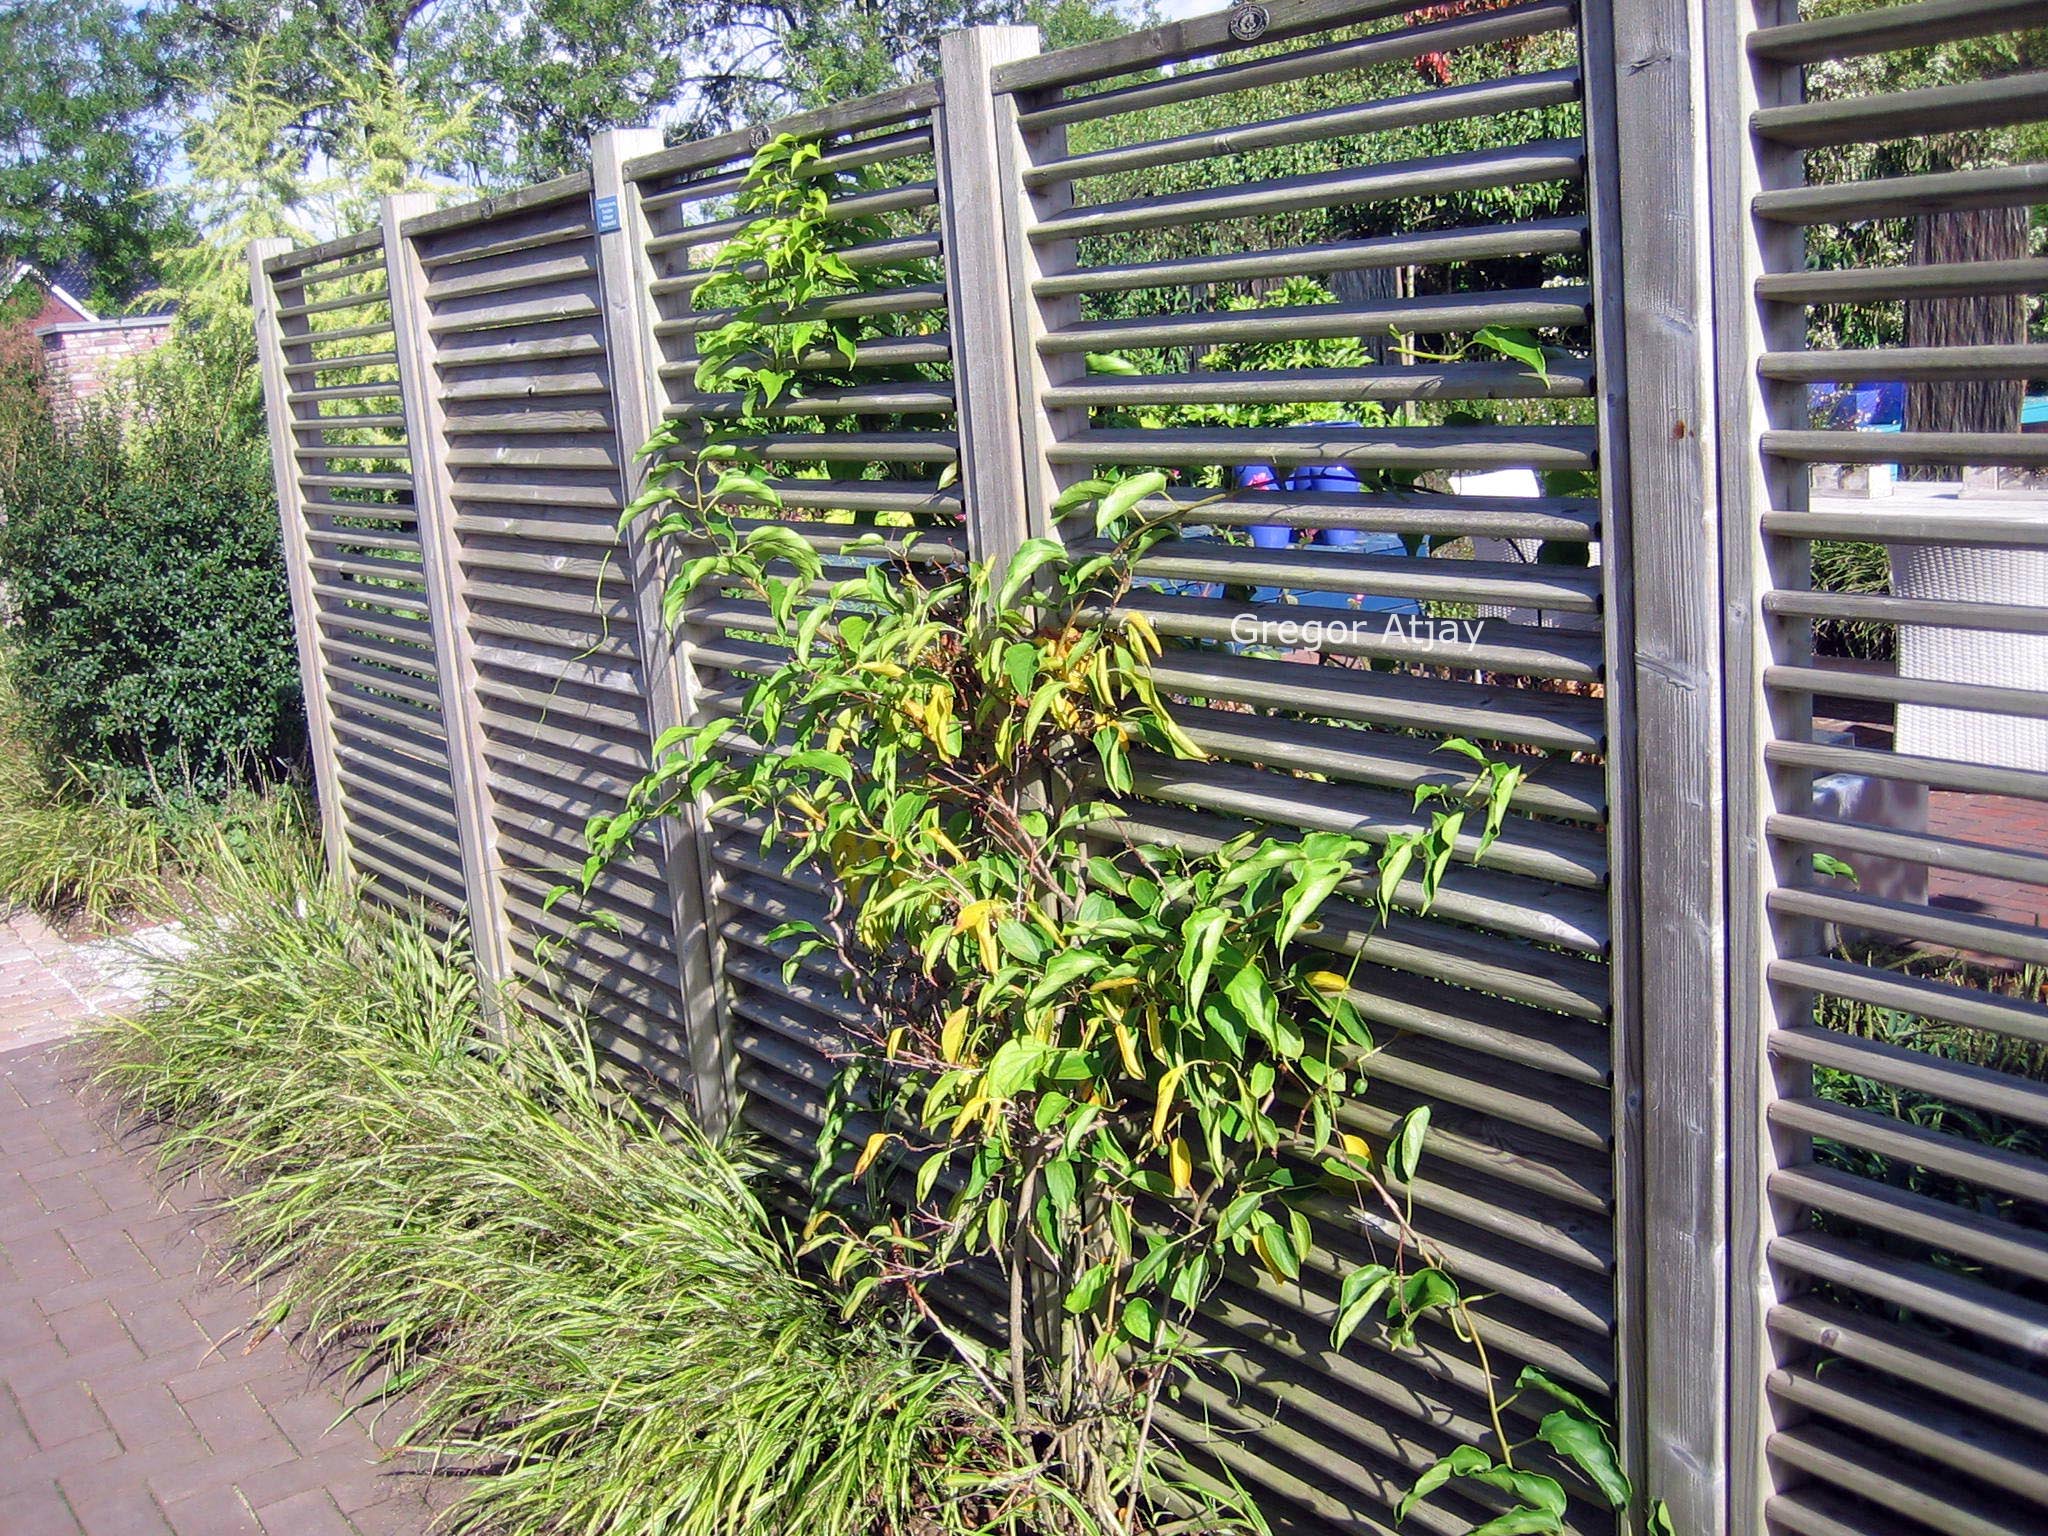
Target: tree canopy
[83, 138]
[538, 77]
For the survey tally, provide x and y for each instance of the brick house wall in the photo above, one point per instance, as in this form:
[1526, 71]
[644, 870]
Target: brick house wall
[82, 357]
[19, 337]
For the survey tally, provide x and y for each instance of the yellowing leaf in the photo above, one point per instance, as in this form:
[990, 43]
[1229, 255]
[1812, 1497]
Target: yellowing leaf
[968, 1111]
[1182, 1163]
[1148, 637]
[1356, 1147]
[1266, 1256]
[871, 1151]
[976, 915]
[1329, 983]
[953, 1035]
[1162, 1112]
[1127, 1047]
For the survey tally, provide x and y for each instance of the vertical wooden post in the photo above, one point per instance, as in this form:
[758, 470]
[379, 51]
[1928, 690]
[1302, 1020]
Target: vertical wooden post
[1647, 116]
[1753, 483]
[1032, 316]
[448, 611]
[975, 209]
[633, 358]
[291, 514]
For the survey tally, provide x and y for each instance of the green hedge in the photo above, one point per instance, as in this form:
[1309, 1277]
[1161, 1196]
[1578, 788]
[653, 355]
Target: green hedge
[148, 611]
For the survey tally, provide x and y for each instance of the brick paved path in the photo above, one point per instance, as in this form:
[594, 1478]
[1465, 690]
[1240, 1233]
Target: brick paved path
[46, 985]
[130, 1403]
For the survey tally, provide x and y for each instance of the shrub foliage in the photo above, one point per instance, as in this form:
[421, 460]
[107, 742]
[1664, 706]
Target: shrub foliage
[150, 623]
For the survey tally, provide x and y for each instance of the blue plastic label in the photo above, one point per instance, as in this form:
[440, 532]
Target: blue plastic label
[607, 215]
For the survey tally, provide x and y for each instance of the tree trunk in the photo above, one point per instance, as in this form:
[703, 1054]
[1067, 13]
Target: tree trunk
[1978, 405]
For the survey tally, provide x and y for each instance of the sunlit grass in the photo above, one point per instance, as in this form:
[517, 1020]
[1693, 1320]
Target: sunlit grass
[585, 1301]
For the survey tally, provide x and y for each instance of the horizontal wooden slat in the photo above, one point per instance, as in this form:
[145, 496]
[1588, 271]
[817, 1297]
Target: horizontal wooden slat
[1956, 1082]
[1565, 379]
[1935, 280]
[1460, 313]
[1910, 364]
[1897, 197]
[1539, 237]
[1974, 104]
[1300, 64]
[1519, 93]
[1459, 447]
[1917, 997]
[2004, 448]
[1475, 170]
[1992, 1167]
[1884, 29]
[1987, 1385]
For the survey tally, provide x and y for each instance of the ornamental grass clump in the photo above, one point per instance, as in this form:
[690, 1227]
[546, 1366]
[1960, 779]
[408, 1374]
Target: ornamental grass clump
[585, 1303]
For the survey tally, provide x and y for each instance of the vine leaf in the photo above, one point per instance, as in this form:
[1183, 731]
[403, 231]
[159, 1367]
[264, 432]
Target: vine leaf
[1364, 1288]
[1587, 1447]
[1404, 1152]
[1541, 1381]
[1032, 556]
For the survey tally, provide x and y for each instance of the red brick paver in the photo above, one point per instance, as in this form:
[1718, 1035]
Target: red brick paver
[46, 986]
[1993, 822]
[130, 1402]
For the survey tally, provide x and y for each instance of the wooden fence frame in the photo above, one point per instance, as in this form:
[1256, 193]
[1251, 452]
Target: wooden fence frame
[1687, 481]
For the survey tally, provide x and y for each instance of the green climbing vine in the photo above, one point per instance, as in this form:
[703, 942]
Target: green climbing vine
[1088, 1070]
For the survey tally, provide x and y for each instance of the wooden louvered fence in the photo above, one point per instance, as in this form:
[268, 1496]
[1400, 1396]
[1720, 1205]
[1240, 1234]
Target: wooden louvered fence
[1751, 1152]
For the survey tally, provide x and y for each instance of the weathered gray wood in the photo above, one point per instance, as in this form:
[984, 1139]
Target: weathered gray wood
[1975, 104]
[858, 205]
[1454, 103]
[1461, 312]
[1908, 363]
[441, 571]
[282, 415]
[909, 299]
[1558, 160]
[1540, 237]
[1325, 58]
[1893, 197]
[1936, 773]
[1454, 381]
[1178, 41]
[1034, 313]
[1653, 282]
[637, 393]
[1476, 447]
[283, 260]
[345, 301]
[2006, 618]
[1792, 41]
[847, 117]
[1937, 280]
[1748, 173]
[866, 256]
[296, 278]
[497, 207]
[1944, 448]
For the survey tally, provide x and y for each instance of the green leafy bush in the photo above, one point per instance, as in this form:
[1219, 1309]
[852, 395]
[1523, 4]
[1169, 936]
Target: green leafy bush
[150, 625]
[588, 1300]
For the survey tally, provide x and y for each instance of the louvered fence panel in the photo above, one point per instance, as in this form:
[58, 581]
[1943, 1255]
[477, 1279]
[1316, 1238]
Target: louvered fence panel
[1893, 741]
[343, 464]
[529, 470]
[1265, 269]
[867, 451]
